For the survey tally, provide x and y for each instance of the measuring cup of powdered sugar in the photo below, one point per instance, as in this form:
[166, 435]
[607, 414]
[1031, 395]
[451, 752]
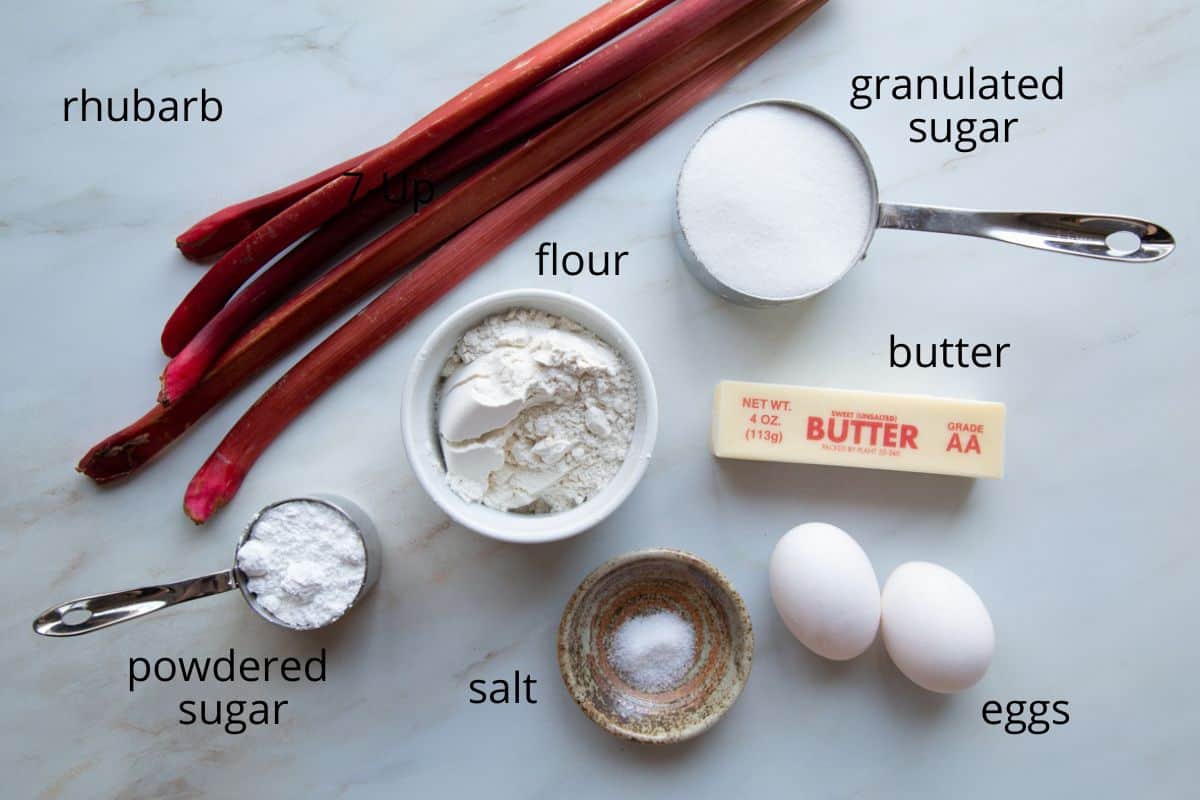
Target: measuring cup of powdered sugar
[777, 200]
[301, 564]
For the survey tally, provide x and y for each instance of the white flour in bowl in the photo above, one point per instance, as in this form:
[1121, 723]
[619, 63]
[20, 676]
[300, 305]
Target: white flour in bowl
[535, 413]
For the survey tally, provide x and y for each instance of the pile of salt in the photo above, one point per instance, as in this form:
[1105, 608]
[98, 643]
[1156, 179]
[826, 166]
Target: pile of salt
[654, 651]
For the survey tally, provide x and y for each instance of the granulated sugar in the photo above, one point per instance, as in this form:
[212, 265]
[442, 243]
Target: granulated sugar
[304, 562]
[775, 201]
[654, 651]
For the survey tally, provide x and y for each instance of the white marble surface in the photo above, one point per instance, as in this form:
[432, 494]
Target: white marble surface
[1086, 554]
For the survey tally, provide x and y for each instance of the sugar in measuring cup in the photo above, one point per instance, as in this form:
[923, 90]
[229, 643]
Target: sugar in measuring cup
[776, 201]
[301, 563]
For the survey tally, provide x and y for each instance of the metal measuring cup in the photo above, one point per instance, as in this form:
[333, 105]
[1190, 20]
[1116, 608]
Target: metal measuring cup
[88, 614]
[1059, 232]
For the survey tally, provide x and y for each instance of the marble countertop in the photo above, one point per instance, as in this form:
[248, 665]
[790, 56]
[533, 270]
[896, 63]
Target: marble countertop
[1085, 554]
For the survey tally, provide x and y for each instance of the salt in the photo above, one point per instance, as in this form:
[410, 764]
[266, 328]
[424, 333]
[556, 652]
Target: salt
[776, 202]
[654, 651]
[304, 563]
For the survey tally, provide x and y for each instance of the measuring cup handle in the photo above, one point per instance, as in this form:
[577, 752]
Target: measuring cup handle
[1075, 234]
[101, 610]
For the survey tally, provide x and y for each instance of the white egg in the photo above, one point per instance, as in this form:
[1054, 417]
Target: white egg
[936, 628]
[825, 590]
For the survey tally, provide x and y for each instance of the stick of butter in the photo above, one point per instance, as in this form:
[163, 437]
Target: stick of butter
[910, 433]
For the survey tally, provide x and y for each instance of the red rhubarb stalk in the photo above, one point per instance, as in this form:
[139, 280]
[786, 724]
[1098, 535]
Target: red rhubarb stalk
[230, 225]
[488, 95]
[304, 260]
[659, 38]
[227, 227]
[222, 474]
[279, 332]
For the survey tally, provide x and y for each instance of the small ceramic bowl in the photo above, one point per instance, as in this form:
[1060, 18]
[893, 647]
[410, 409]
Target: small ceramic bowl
[419, 420]
[642, 583]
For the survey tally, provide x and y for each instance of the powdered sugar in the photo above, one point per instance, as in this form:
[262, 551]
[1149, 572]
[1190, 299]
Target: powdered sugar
[304, 563]
[535, 413]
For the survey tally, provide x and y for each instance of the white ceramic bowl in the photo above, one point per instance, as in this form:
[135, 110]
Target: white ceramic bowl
[420, 426]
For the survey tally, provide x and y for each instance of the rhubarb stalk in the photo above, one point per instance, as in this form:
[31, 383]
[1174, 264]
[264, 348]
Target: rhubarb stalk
[187, 368]
[660, 38]
[131, 448]
[225, 228]
[488, 95]
[222, 474]
[412, 238]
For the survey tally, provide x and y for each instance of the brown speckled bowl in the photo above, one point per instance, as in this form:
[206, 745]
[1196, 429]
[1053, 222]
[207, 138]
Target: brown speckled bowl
[641, 583]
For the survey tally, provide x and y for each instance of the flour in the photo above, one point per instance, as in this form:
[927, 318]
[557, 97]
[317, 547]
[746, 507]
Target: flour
[775, 201]
[535, 413]
[305, 563]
